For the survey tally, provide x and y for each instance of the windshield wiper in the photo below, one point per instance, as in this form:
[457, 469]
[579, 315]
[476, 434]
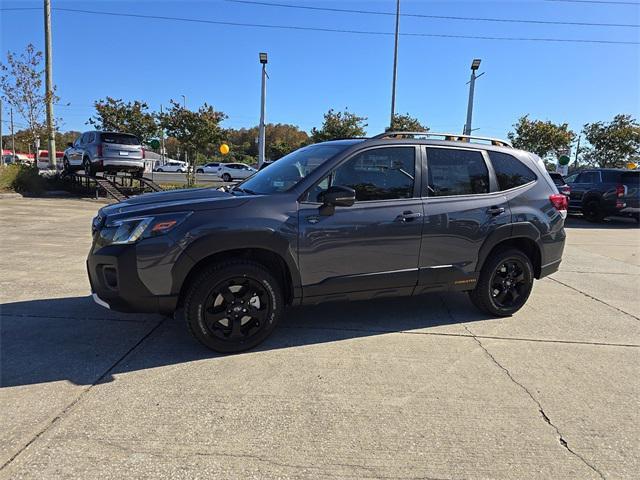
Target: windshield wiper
[244, 190]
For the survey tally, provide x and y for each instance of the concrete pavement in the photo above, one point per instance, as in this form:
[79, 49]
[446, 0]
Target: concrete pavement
[425, 387]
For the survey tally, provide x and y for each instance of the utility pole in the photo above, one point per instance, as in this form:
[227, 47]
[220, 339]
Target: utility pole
[161, 139]
[577, 151]
[49, 84]
[395, 66]
[472, 83]
[261, 128]
[13, 137]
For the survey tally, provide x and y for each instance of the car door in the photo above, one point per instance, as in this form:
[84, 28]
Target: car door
[462, 207]
[372, 246]
[75, 155]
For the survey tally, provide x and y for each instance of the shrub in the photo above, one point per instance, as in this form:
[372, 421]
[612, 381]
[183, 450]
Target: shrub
[21, 178]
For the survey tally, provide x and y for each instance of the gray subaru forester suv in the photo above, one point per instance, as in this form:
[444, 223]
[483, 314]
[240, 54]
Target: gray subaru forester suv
[401, 213]
[98, 151]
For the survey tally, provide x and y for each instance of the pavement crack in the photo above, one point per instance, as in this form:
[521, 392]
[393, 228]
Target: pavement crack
[594, 298]
[543, 414]
[82, 394]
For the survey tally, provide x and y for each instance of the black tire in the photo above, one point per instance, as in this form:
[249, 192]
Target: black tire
[159, 170]
[226, 177]
[199, 171]
[210, 300]
[88, 167]
[501, 293]
[66, 167]
[592, 211]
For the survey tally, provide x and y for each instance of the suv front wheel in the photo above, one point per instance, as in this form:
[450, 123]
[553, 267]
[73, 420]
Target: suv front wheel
[233, 306]
[505, 283]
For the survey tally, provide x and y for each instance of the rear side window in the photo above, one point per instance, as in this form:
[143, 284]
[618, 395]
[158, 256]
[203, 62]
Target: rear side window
[511, 172]
[588, 177]
[456, 172]
[120, 138]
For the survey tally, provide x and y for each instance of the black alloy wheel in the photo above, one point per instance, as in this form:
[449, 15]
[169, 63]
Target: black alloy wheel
[236, 308]
[226, 177]
[508, 283]
[233, 306]
[504, 284]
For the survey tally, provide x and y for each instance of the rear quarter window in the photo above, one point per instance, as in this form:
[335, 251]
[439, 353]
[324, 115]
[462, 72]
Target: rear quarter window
[510, 171]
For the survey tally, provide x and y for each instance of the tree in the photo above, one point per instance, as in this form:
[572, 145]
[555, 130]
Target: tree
[541, 138]
[613, 144]
[281, 139]
[197, 131]
[113, 114]
[406, 123]
[21, 83]
[339, 125]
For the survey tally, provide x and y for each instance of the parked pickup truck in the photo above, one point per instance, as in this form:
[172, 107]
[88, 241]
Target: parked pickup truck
[605, 192]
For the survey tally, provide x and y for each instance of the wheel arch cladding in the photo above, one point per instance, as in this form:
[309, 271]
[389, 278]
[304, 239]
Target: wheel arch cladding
[274, 262]
[524, 237]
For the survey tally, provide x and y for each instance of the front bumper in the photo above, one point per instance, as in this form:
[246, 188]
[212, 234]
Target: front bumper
[115, 283]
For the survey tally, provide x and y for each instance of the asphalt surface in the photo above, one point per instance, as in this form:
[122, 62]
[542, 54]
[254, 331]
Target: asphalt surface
[424, 387]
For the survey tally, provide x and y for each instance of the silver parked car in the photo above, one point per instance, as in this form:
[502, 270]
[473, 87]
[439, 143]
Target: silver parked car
[105, 152]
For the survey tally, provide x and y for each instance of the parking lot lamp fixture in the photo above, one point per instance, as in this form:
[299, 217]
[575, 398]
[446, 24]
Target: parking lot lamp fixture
[261, 130]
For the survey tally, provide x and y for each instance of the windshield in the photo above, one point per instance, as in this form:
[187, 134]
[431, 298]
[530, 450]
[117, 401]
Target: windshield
[285, 173]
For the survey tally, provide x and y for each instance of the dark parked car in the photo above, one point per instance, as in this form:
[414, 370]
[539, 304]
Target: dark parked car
[558, 179]
[604, 192]
[105, 152]
[353, 219]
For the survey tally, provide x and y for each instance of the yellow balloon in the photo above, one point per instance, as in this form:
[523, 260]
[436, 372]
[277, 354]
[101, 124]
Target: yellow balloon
[224, 149]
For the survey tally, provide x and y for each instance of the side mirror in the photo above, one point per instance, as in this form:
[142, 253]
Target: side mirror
[69, 144]
[336, 196]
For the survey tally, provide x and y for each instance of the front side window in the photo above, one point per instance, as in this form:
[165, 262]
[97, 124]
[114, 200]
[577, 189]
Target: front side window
[377, 174]
[588, 177]
[510, 171]
[456, 172]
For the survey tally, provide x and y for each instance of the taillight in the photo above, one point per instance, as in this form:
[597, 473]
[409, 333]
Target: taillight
[560, 203]
[99, 149]
[621, 190]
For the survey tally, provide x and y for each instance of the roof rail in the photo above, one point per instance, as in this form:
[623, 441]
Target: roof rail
[454, 137]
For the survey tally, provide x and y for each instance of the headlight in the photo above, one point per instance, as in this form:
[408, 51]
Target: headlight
[130, 230]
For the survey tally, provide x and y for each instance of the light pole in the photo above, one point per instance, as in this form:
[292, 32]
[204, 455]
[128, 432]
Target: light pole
[184, 101]
[51, 144]
[395, 66]
[261, 128]
[472, 83]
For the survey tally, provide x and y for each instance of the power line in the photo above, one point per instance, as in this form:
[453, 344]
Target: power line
[439, 17]
[606, 2]
[336, 30]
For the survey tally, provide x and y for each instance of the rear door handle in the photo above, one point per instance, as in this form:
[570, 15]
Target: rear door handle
[495, 210]
[408, 215]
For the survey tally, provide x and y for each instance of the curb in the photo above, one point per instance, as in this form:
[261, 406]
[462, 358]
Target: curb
[10, 195]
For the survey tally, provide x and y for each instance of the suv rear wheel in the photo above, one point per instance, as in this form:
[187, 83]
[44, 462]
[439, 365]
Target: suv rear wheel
[592, 211]
[233, 306]
[505, 283]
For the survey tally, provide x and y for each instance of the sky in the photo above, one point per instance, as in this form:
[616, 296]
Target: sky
[155, 60]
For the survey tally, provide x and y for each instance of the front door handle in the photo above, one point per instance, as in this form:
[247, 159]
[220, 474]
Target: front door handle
[495, 210]
[408, 216]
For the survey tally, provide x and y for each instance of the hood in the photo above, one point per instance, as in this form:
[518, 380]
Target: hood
[174, 200]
